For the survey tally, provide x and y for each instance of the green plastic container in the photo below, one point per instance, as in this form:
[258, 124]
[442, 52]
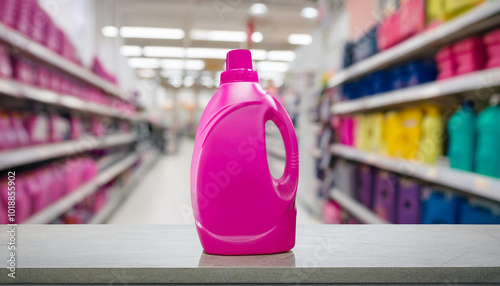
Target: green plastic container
[488, 140]
[462, 135]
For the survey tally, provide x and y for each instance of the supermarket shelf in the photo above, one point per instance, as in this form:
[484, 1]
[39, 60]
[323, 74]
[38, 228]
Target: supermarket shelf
[58, 208]
[473, 81]
[467, 182]
[355, 208]
[121, 194]
[473, 21]
[26, 155]
[276, 152]
[34, 49]
[20, 90]
[315, 152]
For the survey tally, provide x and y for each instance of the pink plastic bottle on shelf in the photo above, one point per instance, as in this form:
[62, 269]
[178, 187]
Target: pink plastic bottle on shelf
[240, 209]
[37, 126]
[332, 213]
[492, 42]
[5, 63]
[347, 131]
[59, 128]
[18, 128]
[23, 201]
[37, 191]
[8, 12]
[75, 123]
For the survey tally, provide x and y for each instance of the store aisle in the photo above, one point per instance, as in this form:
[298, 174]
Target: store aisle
[163, 196]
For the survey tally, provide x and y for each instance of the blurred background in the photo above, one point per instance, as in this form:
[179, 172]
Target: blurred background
[394, 104]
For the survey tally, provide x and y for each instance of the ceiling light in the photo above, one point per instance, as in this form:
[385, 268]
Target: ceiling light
[167, 73]
[309, 13]
[194, 65]
[175, 81]
[166, 52]
[109, 31]
[146, 73]
[207, 81]
[266, 66]
[143, 63]
[172, 64]
[200, 53]
[258, 9]
[300, 39]
[270, 75]
[188, 81]
[215, 35]
[131, 51]
[258, 55]
[257, 37]
[177, 64]
[151, 33]
[286, 56]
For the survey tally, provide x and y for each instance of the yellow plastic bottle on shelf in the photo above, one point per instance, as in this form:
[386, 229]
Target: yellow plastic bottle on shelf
[361, 127]
[454, 8]
[375, 135]
[435, 12]
[392, 133]
[431, 143]
[411, 119]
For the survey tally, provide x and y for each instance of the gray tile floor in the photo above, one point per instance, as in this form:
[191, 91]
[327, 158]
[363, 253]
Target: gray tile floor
[163, 196]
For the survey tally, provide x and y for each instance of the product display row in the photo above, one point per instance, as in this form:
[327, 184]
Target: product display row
[405, 201]
[473, 142]
[38, 74]
[465, 56]
[37, 189]
[412, 18]
[28, 128]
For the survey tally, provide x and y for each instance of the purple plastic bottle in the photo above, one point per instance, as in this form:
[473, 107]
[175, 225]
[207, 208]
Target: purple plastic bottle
[239, 208]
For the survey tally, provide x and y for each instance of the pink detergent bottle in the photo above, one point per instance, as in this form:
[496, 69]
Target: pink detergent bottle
[240, 209]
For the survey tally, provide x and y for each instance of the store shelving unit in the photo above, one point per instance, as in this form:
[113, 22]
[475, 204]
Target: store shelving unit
[467, 182]
[19, 90]
[276, 152]
[120, 194]
[477, 19]
[460, 84]
[26, 155]
[40, 52]
[64, 204]
[356, 209]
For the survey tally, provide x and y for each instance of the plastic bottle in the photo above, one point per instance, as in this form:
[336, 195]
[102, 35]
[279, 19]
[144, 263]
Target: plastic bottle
[16, 120]
[23, 201]
[488, 139]
[239, 208]
[392, 133]
[412, 132]
[461, 142]
[37, 126]
[431, 144]
[8, 138]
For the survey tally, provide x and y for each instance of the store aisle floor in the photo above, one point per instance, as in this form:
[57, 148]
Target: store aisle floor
[163, 196]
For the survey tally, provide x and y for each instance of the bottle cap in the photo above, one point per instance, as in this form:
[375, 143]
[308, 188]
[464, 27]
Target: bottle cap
[239, 68]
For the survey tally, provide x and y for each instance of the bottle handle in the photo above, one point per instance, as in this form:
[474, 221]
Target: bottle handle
[287, 183]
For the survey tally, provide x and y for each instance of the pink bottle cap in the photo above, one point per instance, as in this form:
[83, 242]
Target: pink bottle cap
[239, 68]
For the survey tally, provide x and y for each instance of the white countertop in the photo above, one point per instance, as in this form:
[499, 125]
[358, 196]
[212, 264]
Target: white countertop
[323, 254]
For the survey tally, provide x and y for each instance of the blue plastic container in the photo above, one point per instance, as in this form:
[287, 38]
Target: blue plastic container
[470, 214]
[440, 209]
